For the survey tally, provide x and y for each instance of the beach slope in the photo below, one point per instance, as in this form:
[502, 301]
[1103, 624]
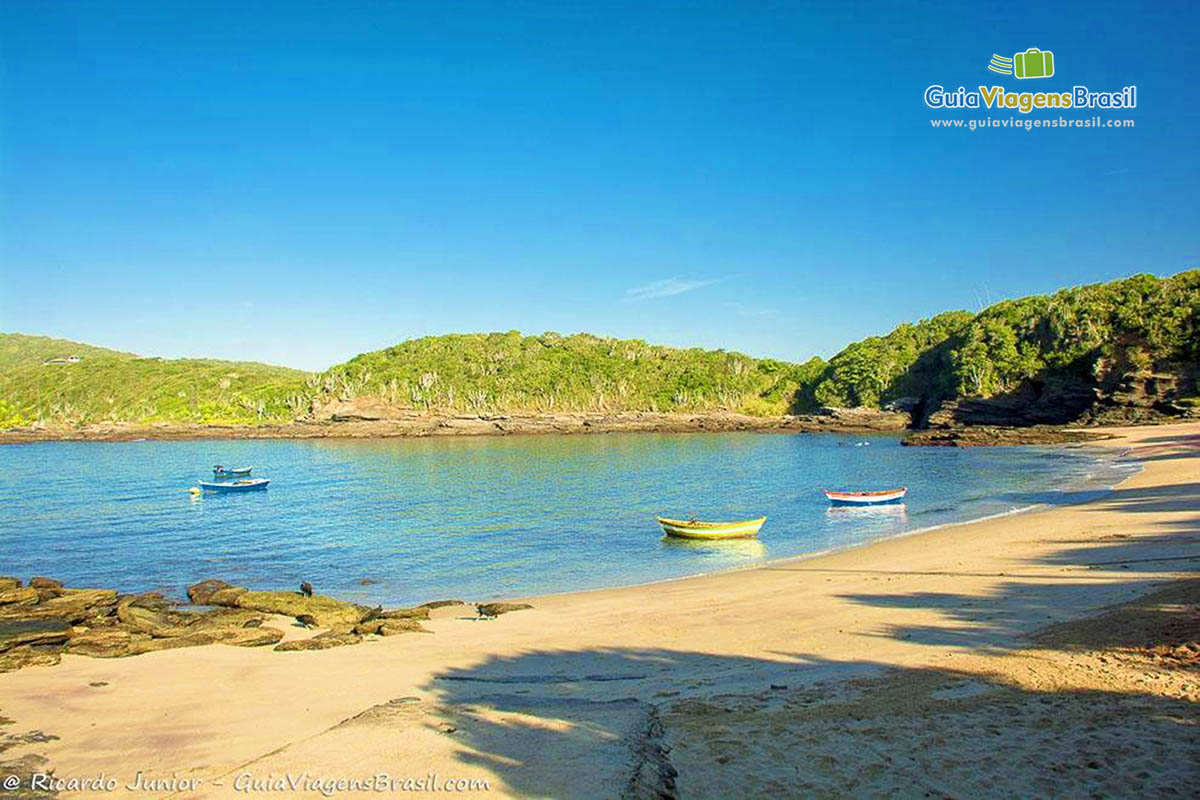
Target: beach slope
[1016, 656]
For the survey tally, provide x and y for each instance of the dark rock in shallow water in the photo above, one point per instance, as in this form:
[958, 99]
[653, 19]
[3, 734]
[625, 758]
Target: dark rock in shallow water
[38, 582]
[214, 592]
[42, 582]
[16, 632]
[153, 601]
[202, 593]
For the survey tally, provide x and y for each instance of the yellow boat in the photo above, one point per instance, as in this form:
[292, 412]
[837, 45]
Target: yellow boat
[694, 529]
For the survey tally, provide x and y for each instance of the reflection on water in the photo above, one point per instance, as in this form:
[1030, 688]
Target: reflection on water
[886, 511]
[727, 552]
[482, 517]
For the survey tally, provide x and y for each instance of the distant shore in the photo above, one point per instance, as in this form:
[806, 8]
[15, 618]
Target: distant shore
[415, 425]
[423, 425]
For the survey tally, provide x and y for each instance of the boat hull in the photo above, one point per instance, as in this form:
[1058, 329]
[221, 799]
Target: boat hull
[866, 498]
[687, 529]
[236, 486]
[232, 473]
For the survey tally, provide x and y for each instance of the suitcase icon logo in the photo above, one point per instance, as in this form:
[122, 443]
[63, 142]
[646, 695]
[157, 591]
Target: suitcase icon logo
[1033, 63]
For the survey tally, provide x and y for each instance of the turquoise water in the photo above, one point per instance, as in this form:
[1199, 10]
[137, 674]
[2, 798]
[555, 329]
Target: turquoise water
[485, 517]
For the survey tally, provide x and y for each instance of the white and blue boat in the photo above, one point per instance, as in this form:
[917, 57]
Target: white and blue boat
[234, 486]
[230, 472]
[865, 498]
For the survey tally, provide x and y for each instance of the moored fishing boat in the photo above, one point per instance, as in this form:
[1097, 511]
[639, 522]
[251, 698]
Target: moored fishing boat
[865, 498]
[234, 486]
[695, 529]
[225, 472]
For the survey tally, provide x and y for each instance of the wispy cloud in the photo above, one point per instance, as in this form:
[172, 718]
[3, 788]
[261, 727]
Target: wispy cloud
[669, 287]
[743, 310]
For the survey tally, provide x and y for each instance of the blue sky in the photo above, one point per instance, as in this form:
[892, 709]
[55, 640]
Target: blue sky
[299, 182]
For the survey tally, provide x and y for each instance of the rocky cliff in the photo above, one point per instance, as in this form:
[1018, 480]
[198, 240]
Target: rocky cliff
[1130, 396]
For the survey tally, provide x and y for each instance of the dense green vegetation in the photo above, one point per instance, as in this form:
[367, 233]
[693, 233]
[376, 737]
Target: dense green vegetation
[911, 361]
[511, 372]
[1084, 332]
[110, 386]
[1088, 334]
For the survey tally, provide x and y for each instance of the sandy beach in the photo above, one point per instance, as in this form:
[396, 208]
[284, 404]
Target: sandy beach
[1020, 656]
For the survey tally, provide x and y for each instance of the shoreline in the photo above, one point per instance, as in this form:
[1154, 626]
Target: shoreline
[800, 557]
[689, 673]
[417, 425]
[176, 593]
[434, 425]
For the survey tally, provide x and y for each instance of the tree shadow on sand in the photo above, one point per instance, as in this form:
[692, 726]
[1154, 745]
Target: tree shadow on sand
[1099, 707]
[668, 723]
[1127, 565]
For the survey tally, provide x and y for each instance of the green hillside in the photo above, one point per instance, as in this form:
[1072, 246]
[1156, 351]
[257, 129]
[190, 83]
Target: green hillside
[1089, 335]
[1087, 339]
[913, 360]
[110, 386]
[511, 372]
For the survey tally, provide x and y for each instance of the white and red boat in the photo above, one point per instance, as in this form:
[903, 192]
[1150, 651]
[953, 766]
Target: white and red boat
[866, 498]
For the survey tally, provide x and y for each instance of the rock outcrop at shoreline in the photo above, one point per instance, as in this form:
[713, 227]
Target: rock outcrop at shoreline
[100, 623]
[417, 424]
[1135, 397]
[995, 436]
[965, 421]
[41, 621]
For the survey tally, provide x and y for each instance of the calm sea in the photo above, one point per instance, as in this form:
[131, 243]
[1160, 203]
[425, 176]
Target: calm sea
[481, 518]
